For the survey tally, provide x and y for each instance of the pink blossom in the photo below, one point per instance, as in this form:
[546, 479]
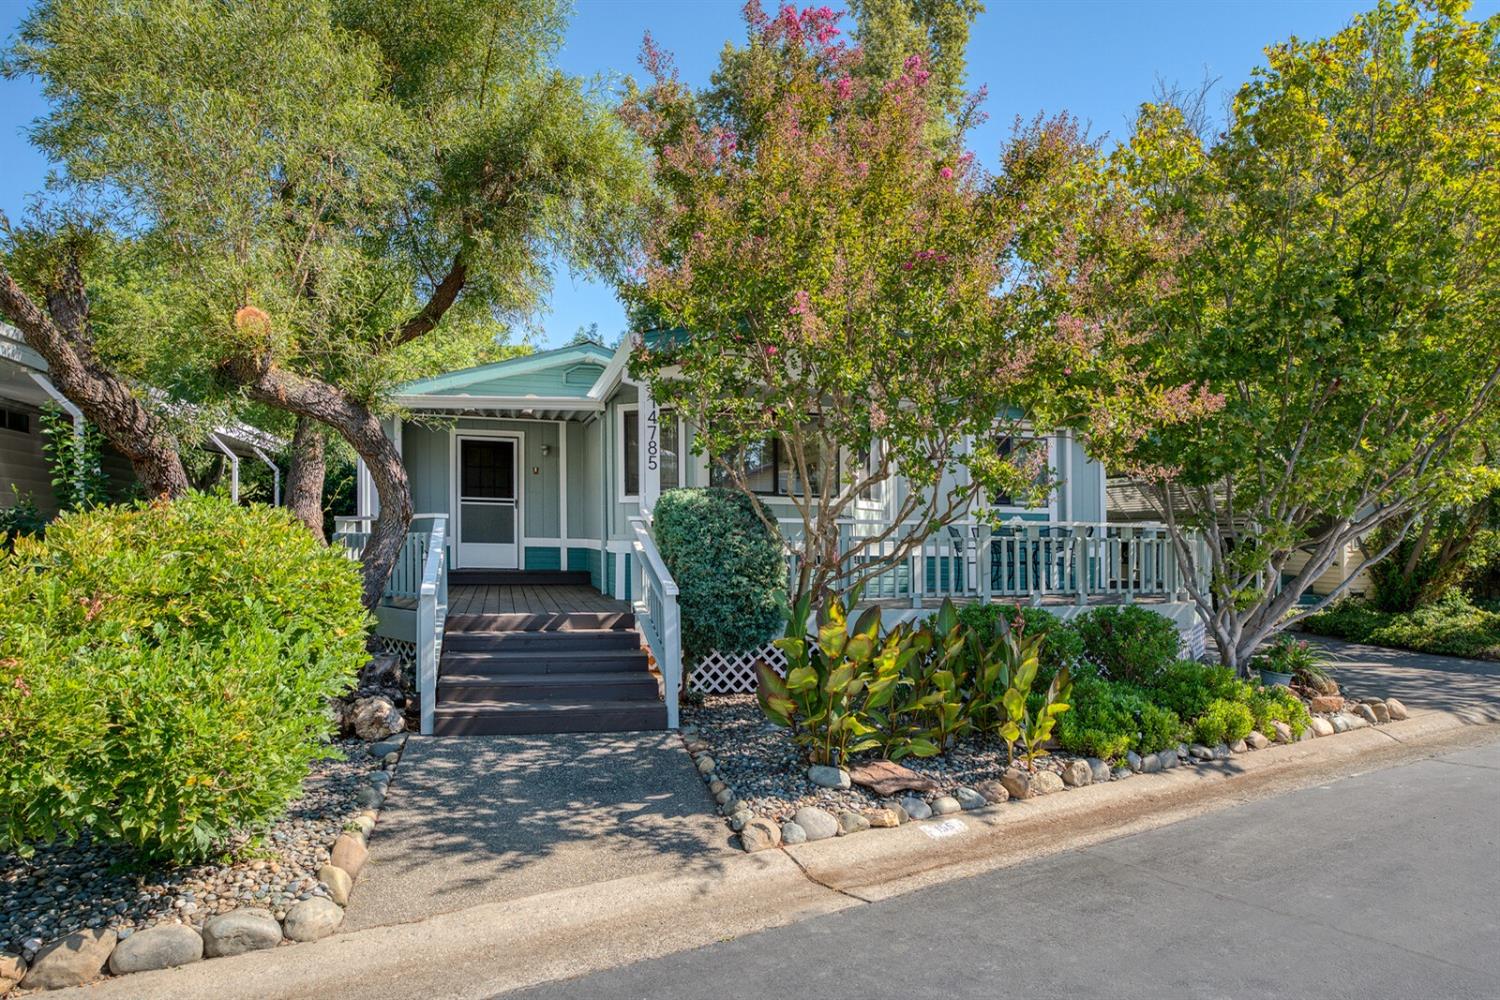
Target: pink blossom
[844, 88]
[946, 173]
[801, 304]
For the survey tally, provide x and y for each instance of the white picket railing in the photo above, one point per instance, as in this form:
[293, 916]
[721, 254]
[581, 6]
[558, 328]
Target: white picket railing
[420, 576]
[1031, 560]
[657, 614]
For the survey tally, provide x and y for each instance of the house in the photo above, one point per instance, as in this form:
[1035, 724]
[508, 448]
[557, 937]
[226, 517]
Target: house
[25, 390]
[530, 594]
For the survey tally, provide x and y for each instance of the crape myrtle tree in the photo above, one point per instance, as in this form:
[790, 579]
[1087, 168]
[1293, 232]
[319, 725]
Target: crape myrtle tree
[327, 185]
[842, 276]
[1338, 291]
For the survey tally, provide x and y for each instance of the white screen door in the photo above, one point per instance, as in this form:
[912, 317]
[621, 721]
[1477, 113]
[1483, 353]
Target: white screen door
[487, 509]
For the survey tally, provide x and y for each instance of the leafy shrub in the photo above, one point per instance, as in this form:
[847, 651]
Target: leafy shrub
[21, 518]
[1160, 727]
[1453, 625]
[728, 566]
[1128, 642]
[1062, 646]
[1188, 688]
[1278, 704]
[165, 670]
[1109, 718]
[1224, 721]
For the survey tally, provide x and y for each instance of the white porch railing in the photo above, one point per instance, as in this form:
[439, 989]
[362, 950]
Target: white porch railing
[657, 614]
[420, 577]
[1031, 560]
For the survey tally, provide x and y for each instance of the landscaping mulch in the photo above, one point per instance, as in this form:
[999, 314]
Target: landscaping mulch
[767, 770]
[62, 888]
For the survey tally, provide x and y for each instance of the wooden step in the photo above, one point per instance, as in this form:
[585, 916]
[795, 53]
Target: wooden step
[595, 686]
[544, 662]
[519, 578]
[581, 641]
[558, 621]
[516, 718]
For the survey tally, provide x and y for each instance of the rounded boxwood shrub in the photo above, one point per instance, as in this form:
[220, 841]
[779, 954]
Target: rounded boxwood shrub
[1224, 721]
[1278, 704]
[729, 568]
[165, 670]
[1107, 718]
[1189, 688]
[1128, 642]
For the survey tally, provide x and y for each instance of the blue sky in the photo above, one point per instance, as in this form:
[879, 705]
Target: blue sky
[1097, 59]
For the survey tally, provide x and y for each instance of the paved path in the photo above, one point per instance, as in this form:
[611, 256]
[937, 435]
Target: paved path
[1380, 885]
[475, 820]
[1469, 688]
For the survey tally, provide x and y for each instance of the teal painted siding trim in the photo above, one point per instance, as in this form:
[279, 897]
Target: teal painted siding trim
[608, 586]
[542, 557]
[588, 561]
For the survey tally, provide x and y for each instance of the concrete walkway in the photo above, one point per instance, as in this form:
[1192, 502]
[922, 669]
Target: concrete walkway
[477, 820]
[1469, 689]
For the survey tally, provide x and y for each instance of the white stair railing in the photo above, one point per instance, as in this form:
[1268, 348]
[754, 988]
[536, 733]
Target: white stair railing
[656, 611]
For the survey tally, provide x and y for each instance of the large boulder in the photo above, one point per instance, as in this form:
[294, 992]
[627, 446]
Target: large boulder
[161, 947]
[1077, 773]
[349, 853]
[338, 882]
[70, 961]
[818, 824]
[1396, 710]
[886, 778]
[313, 919]
[374, 719]
[239, 931]
[12, 970]
[760, 834]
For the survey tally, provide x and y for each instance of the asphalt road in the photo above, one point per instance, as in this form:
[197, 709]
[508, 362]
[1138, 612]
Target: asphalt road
[1386, 884]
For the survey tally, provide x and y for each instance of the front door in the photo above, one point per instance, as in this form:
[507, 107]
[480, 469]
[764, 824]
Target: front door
[488, 515]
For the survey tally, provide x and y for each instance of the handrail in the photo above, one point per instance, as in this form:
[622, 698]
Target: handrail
[658, 614]
[432, 616]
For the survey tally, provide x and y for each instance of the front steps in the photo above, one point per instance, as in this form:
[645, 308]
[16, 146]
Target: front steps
[566, 672]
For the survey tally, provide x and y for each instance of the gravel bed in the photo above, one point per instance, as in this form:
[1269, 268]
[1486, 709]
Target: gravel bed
[63, 888]
[766, 769]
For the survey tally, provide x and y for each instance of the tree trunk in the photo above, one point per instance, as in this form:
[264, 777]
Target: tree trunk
[308, 397]
[304, 480]
[61, 336]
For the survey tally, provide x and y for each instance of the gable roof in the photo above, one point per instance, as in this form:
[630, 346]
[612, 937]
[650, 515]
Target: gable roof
[563, 373]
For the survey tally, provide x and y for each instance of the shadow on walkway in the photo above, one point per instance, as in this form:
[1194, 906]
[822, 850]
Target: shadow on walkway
[474, 820]
[1468, 688]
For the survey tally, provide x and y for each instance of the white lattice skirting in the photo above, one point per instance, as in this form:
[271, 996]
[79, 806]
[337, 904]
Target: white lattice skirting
[718, 673]
[405, 650]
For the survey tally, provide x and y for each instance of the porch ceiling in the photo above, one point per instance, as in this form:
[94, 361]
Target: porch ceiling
[509, 409]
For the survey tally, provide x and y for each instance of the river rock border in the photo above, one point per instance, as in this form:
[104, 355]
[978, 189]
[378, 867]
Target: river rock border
[812, 823]
[83, 955]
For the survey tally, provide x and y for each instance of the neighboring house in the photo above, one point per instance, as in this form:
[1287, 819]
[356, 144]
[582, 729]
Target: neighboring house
[533, 480]
[25, 389]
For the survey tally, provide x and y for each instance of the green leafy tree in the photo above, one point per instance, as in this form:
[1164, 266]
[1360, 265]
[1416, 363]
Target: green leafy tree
[322, 186]
[1334, 304]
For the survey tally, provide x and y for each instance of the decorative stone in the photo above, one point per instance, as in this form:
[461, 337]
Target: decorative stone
[1046, 782]
[740, 819]
[706, 764]
[375, 718]
[339, 883]
[1170, 759]
[1321, 726]
[1077, 773]
[852, 822]
[884, 818]
[364, 823]
[896, 807]
[1325, 703]
[884, 777]
[1356, 721]
[723, 795]
[1239, 746]
[12, 969]
[716, 786]
[313, 919]
[1200, 752]
[161, 947]
[993, 791]
[1396, 710]
[916, 808]
[1150, 764]
[1121, 773]
[945, 805]
[384, 747]
[1382, 714]
[733, 806]
[792, 834]
[239, 931]
[760, 834]
[1221, 752]
[1133, 760]
[1340, 723]
[828, 777]
[1018, 783]
[70, 961]
[969, 798]
[1367, 713]
[1307, 734]
[1098, 769]
[1257, 740]
[349, 853]
[1281, 731]
[370, 797]
[818, 823]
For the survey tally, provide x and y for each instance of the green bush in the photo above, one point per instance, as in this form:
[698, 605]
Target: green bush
[1128, 642]
[1109, 718]
[1451, 626]
[729, 570]
[1224, 721]
[1278, 704]
[1189, 688]
[165, 671]
[1062, 646]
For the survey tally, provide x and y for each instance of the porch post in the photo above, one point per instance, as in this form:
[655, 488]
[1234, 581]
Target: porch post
[649, 450]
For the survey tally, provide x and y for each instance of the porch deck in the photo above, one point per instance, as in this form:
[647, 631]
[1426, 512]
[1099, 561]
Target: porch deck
[544, 599]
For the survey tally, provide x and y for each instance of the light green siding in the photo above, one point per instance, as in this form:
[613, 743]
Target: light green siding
[424, 449]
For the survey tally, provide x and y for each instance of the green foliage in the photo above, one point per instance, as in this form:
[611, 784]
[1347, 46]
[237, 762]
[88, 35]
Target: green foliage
[23, 517]
[165, 671]
[1128, 642]
[1268, 704]
[75, 460]
[1188, 688]
[1160, 727]
[1025, 720]
[1453, 625]
[1224, 721]
[1109, 718]
[1062, 645]
[729, 569]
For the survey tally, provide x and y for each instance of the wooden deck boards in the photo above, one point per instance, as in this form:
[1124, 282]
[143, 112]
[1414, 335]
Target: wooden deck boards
[492, 599]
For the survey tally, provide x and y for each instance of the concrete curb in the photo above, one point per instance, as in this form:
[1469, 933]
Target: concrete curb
[493, 948]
